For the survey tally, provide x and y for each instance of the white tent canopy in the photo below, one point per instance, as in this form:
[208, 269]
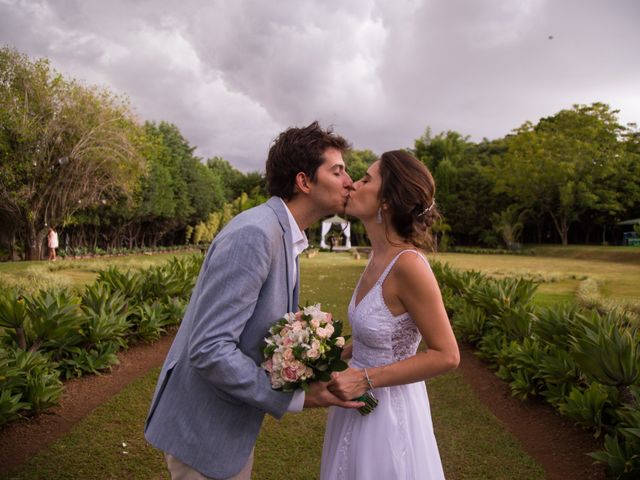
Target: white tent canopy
[335, 220]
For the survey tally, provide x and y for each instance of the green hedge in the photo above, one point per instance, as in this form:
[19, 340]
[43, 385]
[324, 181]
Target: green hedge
[584, 363]
[59, 334]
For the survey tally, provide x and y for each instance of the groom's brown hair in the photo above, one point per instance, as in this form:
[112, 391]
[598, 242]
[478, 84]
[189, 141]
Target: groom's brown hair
[299, 150]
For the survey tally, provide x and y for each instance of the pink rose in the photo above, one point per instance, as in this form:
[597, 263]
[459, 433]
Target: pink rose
[300, 367]
[340, 342]
[329, 328]
[268, 365]
[290, 374]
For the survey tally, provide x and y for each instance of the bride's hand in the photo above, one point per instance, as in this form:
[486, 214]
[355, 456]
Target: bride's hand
[348, 384]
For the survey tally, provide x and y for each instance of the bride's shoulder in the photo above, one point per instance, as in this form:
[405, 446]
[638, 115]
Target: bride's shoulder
[411, 264]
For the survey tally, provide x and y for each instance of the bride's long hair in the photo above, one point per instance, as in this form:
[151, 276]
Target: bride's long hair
[409, 191]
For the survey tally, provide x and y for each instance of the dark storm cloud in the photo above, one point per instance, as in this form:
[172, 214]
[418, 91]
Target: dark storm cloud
[232, 75]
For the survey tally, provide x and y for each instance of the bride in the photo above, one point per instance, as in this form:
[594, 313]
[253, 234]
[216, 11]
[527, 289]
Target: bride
[395, 305]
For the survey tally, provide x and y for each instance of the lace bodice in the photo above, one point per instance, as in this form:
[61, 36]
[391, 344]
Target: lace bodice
[379, 337]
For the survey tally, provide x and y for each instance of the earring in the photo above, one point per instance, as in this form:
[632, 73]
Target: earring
[379, 216]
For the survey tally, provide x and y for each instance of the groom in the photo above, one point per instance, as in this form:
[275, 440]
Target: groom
[212, 394]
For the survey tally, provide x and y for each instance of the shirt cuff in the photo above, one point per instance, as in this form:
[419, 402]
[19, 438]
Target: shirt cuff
[297, 401]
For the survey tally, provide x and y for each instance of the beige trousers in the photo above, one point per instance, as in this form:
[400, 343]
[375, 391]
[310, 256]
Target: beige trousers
[182, 471]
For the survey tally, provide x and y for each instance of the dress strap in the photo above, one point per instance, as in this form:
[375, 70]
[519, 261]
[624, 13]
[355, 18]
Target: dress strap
[392, 263]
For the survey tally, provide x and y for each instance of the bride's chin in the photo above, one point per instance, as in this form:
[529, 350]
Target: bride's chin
[351, 212]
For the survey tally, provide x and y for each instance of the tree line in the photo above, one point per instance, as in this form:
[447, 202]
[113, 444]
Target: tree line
[75, 156]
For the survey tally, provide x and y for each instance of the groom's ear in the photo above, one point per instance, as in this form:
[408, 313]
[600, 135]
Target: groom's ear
[302, 183]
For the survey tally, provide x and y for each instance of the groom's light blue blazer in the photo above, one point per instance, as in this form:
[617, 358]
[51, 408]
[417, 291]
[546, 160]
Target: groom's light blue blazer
[212, 394]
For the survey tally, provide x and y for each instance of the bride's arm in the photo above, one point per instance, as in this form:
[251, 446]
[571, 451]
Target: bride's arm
[417, 290]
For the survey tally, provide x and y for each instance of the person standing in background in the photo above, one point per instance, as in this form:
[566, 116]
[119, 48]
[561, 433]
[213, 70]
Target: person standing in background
[52, 243]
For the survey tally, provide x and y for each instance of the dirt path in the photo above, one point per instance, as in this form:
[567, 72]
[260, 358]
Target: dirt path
[551, 440]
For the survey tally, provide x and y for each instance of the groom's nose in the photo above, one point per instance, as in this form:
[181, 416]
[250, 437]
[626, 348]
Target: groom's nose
[348, 183]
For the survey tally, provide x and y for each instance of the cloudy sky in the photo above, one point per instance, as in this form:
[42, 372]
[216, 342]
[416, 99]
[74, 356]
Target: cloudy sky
[233, 74]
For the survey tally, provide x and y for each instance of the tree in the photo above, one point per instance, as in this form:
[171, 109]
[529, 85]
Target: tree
[64, 146]
[509, 224]
[463, 191]
[451, 146]
[230, 178]
[358, 161]
[563, 166]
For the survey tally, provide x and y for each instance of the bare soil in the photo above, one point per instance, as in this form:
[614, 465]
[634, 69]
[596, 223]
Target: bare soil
[551, 440]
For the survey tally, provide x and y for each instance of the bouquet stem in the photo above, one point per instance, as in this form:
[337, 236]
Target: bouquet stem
[370, 403]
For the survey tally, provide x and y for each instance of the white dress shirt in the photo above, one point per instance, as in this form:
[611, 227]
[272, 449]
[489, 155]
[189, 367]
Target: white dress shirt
[299, 244]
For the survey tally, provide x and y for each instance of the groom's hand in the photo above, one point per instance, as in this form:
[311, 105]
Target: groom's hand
[350, 383]
[320, 396]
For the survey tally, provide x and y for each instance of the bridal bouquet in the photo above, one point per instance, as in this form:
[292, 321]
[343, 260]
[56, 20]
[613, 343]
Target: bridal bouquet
[303, 347]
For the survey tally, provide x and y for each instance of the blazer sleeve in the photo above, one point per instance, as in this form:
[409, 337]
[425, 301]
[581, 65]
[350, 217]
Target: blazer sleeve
[233, 278]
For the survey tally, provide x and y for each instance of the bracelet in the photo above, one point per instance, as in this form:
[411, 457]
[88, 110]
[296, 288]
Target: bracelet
[368, 379]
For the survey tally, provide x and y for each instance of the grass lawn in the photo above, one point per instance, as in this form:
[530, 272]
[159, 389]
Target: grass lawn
[32, 276]
[622, 254]
[290, 448]
[561, 277]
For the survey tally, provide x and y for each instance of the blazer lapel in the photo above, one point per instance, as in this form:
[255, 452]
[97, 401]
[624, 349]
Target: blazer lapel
[275, 203]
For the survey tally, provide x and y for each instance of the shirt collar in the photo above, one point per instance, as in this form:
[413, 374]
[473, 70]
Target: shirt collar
[298, 238]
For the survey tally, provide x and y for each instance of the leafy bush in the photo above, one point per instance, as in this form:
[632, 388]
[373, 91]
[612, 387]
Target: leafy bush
[586, 363]
[586, 407]
[58, 333]
[608, 352]
[469, 323]
[28, 383]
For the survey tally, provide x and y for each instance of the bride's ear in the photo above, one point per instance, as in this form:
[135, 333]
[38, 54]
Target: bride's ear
[302, 182]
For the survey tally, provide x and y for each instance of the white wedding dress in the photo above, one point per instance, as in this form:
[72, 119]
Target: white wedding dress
[396, 440]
